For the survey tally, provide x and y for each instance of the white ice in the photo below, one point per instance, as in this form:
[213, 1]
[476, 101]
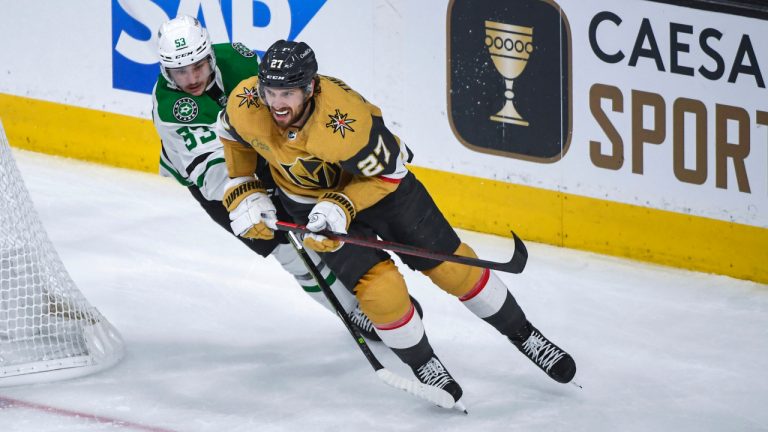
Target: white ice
[219, 339]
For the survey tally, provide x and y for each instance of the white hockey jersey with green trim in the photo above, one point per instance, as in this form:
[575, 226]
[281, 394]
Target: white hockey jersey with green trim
[191, 152]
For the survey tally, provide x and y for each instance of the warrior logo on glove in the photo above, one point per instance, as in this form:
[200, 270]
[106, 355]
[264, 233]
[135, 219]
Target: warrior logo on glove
[333, 212]
[251, 211]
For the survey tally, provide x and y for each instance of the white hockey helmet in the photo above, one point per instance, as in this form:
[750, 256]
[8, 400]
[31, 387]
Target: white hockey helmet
[183, 41]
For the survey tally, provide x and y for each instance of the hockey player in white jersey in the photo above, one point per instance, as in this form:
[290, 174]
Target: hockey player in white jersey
[196, 77]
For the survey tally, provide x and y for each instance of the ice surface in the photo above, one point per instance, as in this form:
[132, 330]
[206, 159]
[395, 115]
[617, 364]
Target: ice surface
[219, 339]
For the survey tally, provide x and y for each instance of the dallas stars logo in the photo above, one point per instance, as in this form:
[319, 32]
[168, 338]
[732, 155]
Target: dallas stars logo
[340, 123]
[249, 97]
[185, 109]
[313, 173]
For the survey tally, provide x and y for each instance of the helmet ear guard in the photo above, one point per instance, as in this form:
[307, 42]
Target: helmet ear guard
[183, 41]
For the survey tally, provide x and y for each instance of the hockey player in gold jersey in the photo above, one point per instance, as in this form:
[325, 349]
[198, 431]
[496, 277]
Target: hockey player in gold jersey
[337, 167]
[192, 87]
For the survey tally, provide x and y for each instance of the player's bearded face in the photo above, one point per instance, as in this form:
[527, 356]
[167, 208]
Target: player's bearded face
[194, 78]
[286, 104]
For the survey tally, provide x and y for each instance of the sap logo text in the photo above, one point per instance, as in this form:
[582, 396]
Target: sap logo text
[255, 23]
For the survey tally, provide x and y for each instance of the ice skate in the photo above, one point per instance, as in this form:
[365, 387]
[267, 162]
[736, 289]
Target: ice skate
[550, 358]
[434, 374]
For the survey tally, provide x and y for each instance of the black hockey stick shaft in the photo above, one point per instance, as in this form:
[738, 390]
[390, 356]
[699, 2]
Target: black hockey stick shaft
[361, 343]
[515, 265]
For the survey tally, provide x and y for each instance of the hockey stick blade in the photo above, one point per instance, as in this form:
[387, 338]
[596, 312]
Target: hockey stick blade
[514, 265]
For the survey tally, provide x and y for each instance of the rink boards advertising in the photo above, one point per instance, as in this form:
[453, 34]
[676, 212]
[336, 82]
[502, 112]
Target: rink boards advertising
[634, 128]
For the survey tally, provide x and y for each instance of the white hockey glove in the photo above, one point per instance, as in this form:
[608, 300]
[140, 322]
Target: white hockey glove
[251, 211]
[333, 212]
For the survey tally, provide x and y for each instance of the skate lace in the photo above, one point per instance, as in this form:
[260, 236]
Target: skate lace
[433, 373]
[541, 351]
[359, 319]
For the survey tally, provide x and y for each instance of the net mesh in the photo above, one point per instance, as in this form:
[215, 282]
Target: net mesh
[46, 324]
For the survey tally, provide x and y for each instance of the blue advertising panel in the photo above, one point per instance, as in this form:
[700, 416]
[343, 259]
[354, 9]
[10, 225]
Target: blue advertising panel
[135, 23]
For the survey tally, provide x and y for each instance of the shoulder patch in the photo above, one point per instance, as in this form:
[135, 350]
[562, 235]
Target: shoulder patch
[185, 109]
[242, 49]
[340, 123]
[249, 96]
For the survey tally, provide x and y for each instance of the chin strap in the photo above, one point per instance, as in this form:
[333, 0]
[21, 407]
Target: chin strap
[216, 91]
[309, 105]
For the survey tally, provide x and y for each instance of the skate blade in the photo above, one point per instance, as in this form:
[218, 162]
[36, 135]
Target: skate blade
[460, 406]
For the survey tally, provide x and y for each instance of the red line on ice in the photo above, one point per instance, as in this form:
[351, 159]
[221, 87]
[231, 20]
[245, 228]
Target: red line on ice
[15, 403]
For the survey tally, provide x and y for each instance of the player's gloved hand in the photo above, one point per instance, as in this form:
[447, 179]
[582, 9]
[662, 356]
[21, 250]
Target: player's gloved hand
[251, 211]
[333, 212]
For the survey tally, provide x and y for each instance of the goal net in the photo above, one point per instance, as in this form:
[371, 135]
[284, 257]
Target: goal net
[48, 330]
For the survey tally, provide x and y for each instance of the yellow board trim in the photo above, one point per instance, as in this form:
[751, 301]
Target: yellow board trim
[625, 230]
[80, 133]
[540, 215]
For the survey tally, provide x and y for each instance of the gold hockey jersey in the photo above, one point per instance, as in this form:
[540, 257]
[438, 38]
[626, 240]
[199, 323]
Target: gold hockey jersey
[344, 145]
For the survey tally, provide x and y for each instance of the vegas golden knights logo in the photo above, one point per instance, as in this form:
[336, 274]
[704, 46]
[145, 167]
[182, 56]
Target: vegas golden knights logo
[313, 173]
[509, 77]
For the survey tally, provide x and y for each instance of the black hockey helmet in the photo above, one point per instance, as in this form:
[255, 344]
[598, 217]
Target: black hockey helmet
[288, 64]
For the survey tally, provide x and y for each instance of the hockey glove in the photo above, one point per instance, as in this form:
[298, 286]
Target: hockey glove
[333, 212]
[251, 211]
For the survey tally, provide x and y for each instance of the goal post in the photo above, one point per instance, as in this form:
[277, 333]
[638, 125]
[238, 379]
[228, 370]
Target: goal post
[48, 329]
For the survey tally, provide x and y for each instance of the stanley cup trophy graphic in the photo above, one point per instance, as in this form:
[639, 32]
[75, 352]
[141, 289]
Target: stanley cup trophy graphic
[510, 47]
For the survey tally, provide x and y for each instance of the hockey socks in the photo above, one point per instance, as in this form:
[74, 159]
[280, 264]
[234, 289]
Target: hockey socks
[365, 325]
[407, 339]
[292, 263]
[490, 300]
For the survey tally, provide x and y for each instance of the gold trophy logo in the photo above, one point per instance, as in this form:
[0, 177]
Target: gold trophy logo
[510, 47]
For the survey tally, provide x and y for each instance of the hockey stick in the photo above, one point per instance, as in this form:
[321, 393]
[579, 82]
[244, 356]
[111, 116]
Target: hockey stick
[435, 395]
[514, 265]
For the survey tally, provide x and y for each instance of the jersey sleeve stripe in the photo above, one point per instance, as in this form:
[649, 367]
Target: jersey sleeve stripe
[197, 161]
[175, 173]
[390, 180]
[211, 163]
[163, 153]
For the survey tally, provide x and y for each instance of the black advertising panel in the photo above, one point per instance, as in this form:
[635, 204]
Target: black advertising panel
[509, 77]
